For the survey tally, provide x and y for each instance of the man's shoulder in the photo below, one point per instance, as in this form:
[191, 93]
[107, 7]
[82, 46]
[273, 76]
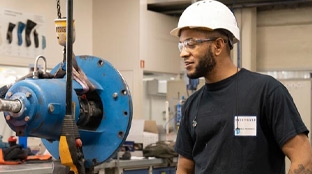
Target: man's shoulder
[257, 77]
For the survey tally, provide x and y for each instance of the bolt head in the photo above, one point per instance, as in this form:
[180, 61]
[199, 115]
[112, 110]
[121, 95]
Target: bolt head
[51, 108]
[27, 118]
[9, 94]
[8, 117]
[28, 94]
[115, 95]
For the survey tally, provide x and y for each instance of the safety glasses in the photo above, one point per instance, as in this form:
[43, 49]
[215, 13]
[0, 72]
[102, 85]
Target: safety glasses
[190, 44]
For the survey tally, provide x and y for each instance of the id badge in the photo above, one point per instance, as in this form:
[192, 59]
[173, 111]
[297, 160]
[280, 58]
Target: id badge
[245, 126]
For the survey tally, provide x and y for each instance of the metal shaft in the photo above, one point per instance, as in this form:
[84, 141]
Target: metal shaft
[10, 105]
[69, 54]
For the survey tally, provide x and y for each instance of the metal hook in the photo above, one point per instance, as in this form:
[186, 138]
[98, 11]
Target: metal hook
[36, 73]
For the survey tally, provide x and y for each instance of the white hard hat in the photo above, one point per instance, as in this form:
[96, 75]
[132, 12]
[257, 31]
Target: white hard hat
[208, 14]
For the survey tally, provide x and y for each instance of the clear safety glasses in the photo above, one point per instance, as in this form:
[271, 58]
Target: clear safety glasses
[190, 44]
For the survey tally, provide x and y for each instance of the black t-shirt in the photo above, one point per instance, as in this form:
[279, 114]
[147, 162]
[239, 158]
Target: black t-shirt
[242, 122]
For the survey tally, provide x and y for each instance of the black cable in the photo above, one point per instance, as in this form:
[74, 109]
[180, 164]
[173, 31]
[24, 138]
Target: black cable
[236, 96]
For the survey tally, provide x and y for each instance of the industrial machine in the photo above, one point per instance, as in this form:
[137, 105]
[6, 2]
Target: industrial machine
[36, 107]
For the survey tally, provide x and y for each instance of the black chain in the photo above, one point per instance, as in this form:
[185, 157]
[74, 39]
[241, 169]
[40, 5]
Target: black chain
[58, 6]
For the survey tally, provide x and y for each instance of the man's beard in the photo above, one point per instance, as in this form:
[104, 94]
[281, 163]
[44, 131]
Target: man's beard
[205, 65]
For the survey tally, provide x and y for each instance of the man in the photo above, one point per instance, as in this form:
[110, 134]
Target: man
[239, 122]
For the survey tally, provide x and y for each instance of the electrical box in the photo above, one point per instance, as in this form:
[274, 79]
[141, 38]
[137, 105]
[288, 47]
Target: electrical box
[157, 87]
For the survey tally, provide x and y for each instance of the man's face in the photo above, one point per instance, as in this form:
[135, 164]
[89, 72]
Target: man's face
[199, 59]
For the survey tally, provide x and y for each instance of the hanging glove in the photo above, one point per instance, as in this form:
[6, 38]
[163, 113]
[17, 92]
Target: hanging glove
[20, 29]
[9, 36]
[36, 39]
[29, 26]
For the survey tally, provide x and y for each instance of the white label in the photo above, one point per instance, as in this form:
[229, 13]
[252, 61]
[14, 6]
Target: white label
[245, 126]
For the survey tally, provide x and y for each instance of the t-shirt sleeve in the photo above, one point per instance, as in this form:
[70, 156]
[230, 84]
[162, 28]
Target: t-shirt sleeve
[283, 116]
[184, 142]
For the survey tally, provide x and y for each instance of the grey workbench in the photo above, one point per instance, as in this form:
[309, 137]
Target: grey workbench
[118, 166]
[113, 166]
[34, 168]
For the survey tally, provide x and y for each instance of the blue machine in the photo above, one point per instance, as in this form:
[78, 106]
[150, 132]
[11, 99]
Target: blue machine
[36, 107]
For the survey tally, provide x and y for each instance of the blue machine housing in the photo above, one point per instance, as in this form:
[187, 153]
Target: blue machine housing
[103, 116]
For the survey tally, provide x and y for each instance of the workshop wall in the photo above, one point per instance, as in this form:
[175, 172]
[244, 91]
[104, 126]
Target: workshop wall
[46, 11]
[162, 54]
[116, 37]
[134, 40]
[283, 39]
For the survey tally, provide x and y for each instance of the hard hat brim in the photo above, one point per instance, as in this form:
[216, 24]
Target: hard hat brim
[176, 32]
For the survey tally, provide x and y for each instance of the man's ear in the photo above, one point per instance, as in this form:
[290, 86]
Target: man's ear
[219, 46]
